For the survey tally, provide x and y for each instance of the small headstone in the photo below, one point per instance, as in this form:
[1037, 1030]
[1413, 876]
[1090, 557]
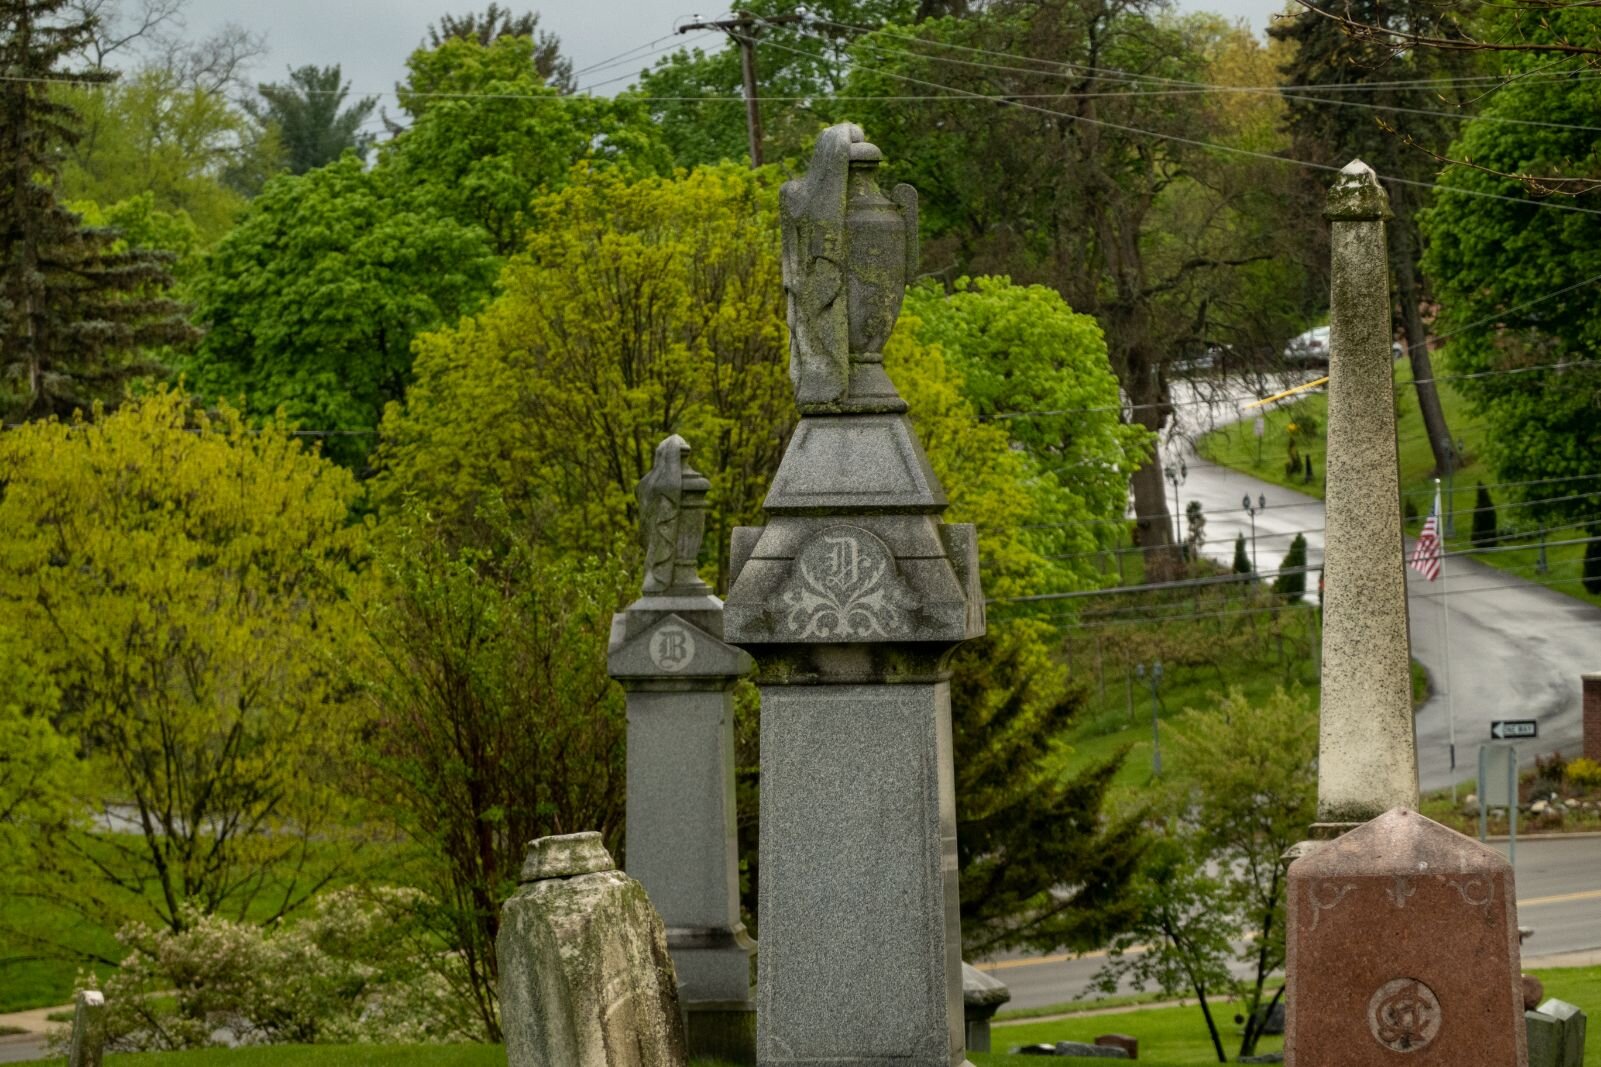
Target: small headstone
[1079, 1048]
[1574, 1024]
[1402, 947]
[88, 1029]
[1545, 1039]
[1032, 1050]
[585, 978]
[982, 996]
[1128, 1044]
[1266, 1057]
[1274, 1023]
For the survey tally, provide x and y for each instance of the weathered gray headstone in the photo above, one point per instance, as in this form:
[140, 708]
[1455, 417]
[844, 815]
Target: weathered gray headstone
[850, 599]
[585, 978]
[1563, 1028]
[88, 1029]
[982, 996]
[1367, 746]
[667, 652]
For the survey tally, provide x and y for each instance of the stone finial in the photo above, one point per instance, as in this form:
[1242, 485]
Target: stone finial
[566, 856]
[848, 252]
[1357, 196]
[672, 515]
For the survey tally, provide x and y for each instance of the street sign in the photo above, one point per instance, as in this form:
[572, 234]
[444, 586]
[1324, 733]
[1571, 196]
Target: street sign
[1506, 729]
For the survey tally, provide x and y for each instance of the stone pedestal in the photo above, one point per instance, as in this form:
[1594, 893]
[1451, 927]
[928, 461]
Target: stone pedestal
[850, 599]
[585, 979]
[668, 653]
[1367, 746]
[1403, 949]
[88, 1029]
[982, 996]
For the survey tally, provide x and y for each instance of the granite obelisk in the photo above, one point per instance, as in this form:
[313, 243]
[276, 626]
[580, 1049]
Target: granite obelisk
[851, 599]
[668, 653]
[1367, 745]
[1401, 938]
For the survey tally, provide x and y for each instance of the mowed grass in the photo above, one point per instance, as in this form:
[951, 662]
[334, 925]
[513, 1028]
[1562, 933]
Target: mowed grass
[1168, 1036]
[1235, 446]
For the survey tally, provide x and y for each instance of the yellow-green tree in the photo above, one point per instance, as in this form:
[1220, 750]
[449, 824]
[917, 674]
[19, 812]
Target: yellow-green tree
[183, 582]
[638, 311]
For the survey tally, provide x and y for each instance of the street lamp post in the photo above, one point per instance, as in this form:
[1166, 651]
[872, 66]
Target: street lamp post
[1176, 478]
[1251, 510]
[1155, 677]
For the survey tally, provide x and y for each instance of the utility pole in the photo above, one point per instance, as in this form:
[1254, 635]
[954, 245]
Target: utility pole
[743, 28]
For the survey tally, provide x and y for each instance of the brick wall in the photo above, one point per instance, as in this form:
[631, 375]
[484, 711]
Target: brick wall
[1592, 716]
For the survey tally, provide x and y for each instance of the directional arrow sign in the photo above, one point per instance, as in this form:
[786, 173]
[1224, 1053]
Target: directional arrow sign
[1506, 729]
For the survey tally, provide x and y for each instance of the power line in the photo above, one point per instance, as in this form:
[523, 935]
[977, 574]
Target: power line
[1212, 147]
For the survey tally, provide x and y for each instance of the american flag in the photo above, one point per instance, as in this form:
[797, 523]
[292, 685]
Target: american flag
[1426, 553]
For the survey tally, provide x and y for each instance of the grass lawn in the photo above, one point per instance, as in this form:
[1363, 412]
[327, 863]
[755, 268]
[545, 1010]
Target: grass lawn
[1235, 446]
[1169, 1037]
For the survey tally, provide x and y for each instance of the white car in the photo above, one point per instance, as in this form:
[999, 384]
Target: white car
[1309, 347]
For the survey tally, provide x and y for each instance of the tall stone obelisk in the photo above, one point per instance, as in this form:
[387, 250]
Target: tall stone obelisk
[851, 598]
[1367, 745]
[668, 653]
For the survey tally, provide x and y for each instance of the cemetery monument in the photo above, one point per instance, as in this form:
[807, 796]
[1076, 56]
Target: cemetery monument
[851, 599]
[667, 652]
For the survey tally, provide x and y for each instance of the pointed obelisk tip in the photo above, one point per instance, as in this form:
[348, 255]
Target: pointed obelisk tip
[1356, 195]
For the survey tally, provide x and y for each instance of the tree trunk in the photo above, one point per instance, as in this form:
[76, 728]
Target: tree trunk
[1153, 524]
[1403, 256]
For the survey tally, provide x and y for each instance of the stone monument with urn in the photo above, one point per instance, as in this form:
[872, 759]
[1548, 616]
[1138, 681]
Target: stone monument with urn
[851, 599]
[667, 652]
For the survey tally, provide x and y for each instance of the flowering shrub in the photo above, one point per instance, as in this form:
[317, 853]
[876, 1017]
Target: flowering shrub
[1584, 774]
[356, 969]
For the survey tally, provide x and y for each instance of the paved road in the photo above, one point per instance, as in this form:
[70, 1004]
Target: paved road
[1559, 896]
[1516, 649]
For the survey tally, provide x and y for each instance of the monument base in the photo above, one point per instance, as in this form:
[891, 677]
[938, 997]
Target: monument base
[1402, 949]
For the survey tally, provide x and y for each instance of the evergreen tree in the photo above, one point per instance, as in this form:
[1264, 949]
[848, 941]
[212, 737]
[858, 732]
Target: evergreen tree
[307, 117]
[1242, 562]
[1292, 586]
[1485, 532]
[1592, 563]
[76, 304]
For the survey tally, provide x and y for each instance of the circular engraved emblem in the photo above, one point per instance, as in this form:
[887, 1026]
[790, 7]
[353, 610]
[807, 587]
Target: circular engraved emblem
[1404, 1015]
[672, 647]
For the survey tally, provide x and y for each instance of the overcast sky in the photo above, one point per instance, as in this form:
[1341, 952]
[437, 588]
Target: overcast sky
[370, 39]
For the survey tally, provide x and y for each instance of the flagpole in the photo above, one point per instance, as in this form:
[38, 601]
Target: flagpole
[1445, 618]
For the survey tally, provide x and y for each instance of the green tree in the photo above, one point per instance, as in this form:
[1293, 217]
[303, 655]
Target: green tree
[308, 117]
[1242, 561]
[1291, 581]
[1247, 785]
[1513, 280]
[184, 582]
[1486, 531]
[311, 303]
[75, 313]
[489, 135]
[640, 309]
[695, 95]
[495, 22]
[495, 721]
[1411, 90]
[1103, 196]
